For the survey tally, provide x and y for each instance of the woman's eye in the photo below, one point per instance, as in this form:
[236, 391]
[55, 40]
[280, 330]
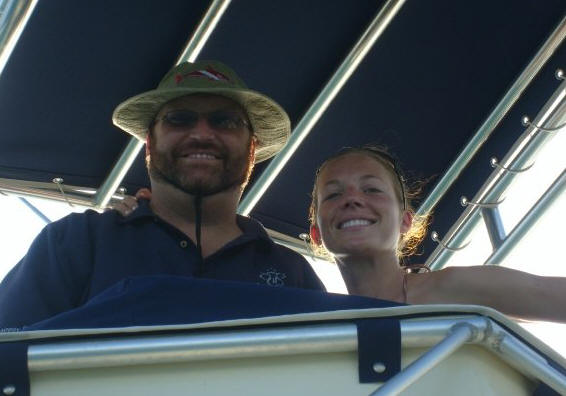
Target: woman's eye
[372, 190]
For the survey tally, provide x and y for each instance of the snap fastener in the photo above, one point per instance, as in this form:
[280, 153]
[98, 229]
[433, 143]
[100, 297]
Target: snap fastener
[379, 367]
[9, 390]
[184, 244]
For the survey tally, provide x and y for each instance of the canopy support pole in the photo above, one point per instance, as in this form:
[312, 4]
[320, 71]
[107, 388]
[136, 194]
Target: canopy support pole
[494, 225]
[543, 204]
[321, 103]
[13, 18]
[493, 120]
[520, 156]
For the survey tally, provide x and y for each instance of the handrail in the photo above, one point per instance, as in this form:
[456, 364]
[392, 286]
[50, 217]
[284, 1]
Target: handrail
[444, 335]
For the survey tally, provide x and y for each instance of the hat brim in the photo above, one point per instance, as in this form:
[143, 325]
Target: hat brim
[269, 121]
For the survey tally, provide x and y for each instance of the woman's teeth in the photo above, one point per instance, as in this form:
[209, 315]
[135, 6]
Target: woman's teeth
[354, 223]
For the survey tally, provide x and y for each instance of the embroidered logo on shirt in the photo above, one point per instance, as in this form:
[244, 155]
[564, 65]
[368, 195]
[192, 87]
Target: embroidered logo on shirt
[273, 278]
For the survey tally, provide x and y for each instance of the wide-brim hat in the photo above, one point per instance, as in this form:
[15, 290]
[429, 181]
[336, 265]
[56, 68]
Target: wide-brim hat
[270, 123]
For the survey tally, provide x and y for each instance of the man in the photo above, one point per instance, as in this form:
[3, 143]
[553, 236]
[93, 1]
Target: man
[204, 130]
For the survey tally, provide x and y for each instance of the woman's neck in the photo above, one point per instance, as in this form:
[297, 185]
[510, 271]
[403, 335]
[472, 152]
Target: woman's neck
[378, 275]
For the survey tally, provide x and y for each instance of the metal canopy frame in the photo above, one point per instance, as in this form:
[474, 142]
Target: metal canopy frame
[521, 229]
[321, 103]
[109, 191]
[520, 156]
[493, 120]
[15, 14]
[190, 53]
[443, 335]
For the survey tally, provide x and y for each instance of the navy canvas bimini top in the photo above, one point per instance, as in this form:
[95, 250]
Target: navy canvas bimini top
[77, 257]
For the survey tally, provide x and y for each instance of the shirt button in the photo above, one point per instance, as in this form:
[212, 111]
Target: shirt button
[183, 244]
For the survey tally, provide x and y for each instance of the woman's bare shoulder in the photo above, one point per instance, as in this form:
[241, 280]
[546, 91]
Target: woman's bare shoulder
[440, 287]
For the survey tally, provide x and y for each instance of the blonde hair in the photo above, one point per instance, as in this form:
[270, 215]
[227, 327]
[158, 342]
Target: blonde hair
[411, 239]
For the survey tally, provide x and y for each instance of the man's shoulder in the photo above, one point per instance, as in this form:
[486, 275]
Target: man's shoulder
[252, 226]
[88, 216]
[88, 219]
[290, 254]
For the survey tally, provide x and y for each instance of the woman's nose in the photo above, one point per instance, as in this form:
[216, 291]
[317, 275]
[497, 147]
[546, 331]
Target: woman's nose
[353, 198]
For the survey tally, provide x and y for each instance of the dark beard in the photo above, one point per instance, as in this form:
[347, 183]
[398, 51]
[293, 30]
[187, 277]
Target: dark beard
[235, 171]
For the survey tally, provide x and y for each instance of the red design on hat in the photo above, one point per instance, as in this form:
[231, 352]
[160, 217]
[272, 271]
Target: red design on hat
[209, 73]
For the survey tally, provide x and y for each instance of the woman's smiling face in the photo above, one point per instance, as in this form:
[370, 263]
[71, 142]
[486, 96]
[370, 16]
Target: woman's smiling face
[358, 209]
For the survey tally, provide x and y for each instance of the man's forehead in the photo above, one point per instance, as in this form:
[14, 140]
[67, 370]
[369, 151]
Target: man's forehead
[202, 102]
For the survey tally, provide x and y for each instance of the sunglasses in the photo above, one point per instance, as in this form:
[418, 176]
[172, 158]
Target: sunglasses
[221, 120]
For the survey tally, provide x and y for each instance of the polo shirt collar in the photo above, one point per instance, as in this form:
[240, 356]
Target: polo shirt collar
[252, 229]
[142, 211]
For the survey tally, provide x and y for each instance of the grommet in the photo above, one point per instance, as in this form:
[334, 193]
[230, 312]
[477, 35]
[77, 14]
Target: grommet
[183, 244]
[379, 367]
[9, 390]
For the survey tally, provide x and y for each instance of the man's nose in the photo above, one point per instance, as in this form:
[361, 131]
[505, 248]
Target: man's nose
[202, 129]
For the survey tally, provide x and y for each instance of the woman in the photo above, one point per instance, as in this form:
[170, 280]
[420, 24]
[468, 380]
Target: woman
[362, 219]
[360, 214]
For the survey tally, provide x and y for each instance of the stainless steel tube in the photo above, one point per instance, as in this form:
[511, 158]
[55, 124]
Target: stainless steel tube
[118, 172]
[518, 233]
[494, 225]
[14, 15]
[177, 348]
[520, 155]
[489, 125]
[320, 104]
[446, 333]
[521, 358]
[461, 334]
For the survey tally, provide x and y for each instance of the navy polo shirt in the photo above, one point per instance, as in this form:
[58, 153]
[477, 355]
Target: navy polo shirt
[77, 257]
